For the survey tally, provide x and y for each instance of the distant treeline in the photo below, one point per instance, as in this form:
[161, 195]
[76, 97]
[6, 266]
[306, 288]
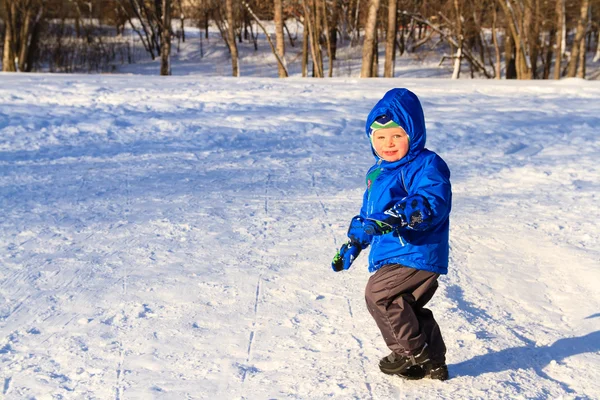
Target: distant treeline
[512, 39]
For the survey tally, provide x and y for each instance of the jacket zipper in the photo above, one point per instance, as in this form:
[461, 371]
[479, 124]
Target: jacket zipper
[403, 184]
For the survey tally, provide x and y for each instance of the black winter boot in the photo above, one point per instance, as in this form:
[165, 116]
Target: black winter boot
[413, 373]
[437, 371]
[394, 364]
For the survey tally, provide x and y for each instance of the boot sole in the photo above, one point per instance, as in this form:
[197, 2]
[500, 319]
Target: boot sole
[419, 377]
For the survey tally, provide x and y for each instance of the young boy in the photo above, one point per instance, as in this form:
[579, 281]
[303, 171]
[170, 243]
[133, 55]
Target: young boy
[404, 218]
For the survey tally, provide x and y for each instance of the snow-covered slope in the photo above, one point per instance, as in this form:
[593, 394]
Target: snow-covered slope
[172, 238]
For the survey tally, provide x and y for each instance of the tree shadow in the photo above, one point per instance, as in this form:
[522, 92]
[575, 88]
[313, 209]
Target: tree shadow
[529, 356]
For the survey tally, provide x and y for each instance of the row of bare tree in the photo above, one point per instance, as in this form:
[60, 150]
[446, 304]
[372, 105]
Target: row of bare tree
[515, 39]
[534, 33]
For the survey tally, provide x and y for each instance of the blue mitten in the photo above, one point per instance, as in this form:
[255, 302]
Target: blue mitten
[345, 256]
[416, 211]
[383, 223]
[357, 234]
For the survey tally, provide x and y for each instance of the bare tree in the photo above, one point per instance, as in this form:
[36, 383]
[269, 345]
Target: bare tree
[278, 17]
[495, 40]
[10, 37]
[597, 56]
[318, 29]
[144, 19]
[390, 40]
[165, 39]
[181, 20]
[280, 61]
[315, 48]
[579, 37]
[560, 27]
[518, 18]
[21, 26]
[235, 66]
[460, 40]
[581, 66]
[305, 43]
[333, 28]
[369, 43]
[327, 36]
[449, 35]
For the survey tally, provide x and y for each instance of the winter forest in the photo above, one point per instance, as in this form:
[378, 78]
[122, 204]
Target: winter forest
[494, 39]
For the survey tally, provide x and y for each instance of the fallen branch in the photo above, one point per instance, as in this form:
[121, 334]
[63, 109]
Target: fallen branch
[279, 61]
[451, 40]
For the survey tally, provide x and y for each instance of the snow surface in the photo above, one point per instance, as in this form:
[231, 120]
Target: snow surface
[171, 238]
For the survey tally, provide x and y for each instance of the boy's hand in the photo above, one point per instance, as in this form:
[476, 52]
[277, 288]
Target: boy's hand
[344, 258]
[383, 223]
[415, 210]
[357, 234]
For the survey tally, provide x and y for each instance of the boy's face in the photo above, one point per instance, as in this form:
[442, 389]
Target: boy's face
[391, 144]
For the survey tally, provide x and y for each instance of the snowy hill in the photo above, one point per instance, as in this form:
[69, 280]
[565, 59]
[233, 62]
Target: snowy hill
[171, 238]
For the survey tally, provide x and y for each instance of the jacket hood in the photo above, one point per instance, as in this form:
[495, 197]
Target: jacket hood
[404, 108]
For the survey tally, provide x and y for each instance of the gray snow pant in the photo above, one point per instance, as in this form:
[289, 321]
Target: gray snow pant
[396, 296]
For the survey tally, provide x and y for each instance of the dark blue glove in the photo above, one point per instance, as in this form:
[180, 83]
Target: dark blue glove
[383, 223]
[344, 258]
[416, 211]
[357, 234]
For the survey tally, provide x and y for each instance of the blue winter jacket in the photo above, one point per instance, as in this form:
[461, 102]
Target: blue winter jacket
[421, 172]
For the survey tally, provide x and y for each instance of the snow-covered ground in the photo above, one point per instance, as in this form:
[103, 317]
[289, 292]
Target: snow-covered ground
[171, 238]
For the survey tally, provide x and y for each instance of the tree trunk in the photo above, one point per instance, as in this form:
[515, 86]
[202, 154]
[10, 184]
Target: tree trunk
[10, 37]
[356, 31]
[313, 45]
[518, 23]
[390, 39]
[509, 57]
[581, 66]
[597, 56]
[280, 61]
[305, 40]
[280, 39]
[24, 37]
[402, 44]
[560, 17]
[579, 35]
[375, 69]
[495, 41]
[368, 45]
[21, 27]
[206, 23]
[459, 37]
[534, 38]
[327, 38]
[335, 15]
[181, 21]
[29, 37]
[231, 38]
[165, 39]
[525, 42]
[318, 28]
[548, 62]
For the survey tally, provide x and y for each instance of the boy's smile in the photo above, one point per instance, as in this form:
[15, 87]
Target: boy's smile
[390, 144]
